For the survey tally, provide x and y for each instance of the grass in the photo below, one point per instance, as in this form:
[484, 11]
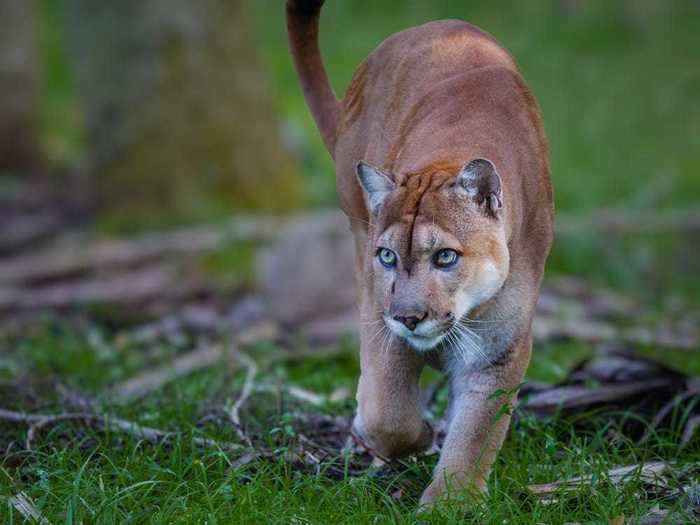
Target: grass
[109, 478]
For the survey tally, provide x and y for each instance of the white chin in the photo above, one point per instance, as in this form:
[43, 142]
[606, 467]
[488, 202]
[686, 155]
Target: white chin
[422, 344]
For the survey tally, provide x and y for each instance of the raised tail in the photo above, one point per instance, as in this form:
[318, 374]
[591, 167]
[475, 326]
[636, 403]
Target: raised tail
[302, 28]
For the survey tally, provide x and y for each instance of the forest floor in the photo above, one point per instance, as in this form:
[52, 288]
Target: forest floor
[148, 380]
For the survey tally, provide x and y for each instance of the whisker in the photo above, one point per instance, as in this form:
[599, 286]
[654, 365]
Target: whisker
[456, 345]
[473, 340]
[465, 320]
[376, 334]
[387, 342]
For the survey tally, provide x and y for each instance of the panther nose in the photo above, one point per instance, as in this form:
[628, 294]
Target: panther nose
[410, 321]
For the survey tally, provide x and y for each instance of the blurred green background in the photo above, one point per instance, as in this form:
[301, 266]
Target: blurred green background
[618, 83]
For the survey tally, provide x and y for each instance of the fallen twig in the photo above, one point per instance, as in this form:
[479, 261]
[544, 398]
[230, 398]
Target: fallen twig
[155, 379]
[27, 509]
[581, 396]
[27, 229]
[546, 328]
[248, 386]
[202, 357]
[153, 435]
[305, 395]
[130, 287]
[649, 473]
[79, 257]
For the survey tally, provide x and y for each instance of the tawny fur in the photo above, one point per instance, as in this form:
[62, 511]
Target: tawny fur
[421, 106]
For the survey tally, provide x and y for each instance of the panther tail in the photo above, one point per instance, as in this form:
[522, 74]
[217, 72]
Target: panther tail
[302, 28]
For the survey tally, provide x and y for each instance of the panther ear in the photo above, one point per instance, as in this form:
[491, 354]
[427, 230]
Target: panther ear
[376, 184]
[482, 184]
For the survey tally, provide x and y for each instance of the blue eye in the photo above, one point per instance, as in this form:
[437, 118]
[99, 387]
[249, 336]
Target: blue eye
[386, 257]
[445, 258]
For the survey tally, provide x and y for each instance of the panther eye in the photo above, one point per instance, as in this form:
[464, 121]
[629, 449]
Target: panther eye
[386, 257]
[445, 258]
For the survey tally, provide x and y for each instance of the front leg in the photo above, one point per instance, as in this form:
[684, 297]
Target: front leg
[389, 419]
[477, 425]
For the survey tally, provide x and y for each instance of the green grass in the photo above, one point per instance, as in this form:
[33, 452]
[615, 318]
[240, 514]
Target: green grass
[76, 475]
[143, 484]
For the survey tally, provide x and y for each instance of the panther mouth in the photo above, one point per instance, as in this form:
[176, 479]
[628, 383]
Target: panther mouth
[422, 343]
[423, 339]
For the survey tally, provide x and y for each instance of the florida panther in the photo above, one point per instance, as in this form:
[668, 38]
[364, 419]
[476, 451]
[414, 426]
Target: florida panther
[442, 170]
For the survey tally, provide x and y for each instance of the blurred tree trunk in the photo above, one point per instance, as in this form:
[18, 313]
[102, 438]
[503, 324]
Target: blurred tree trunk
[19, 86]
[178, 109]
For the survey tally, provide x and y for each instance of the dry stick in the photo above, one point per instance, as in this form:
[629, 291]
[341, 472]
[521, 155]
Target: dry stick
[199, 359]
[155, 379]
[648, 472]
[299, 393]
[122, 288]
[77, 258]
[248, 385]
[113, 424]
[21, 233]
[544, 328]
[27, 509]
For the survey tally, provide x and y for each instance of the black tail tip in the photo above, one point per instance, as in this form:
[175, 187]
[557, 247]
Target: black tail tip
[304, 7]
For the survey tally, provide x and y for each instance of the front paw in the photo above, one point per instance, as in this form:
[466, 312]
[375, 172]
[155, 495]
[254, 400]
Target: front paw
[391, 441]
[439, 489]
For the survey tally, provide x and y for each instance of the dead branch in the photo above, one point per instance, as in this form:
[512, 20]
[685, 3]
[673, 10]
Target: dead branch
[650, 473]
[27, 509]
[304, 395]
[130, 287]
[155, 379]
[248, 386]
[198, 359]
[112, 424]
[547, 328]
[21, 232]
[78, 257]
[580, 396]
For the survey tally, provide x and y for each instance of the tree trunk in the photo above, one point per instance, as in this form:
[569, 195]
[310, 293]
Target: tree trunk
[19, 86]
[178, 110]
